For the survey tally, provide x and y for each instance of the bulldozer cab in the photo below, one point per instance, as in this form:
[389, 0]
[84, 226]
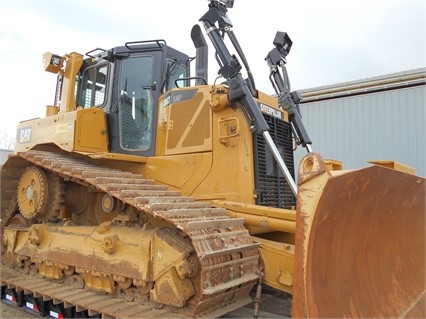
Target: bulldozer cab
[126, 83]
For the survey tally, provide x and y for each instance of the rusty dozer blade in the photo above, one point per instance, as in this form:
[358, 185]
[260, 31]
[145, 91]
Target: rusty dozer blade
[360, 243]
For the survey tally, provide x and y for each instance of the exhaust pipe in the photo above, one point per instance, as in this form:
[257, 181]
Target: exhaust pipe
[201, 55]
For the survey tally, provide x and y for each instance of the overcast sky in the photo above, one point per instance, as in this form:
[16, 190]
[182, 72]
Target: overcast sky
[333, 41]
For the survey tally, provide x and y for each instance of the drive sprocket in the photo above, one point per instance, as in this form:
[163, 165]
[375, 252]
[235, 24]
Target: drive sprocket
[40, 194]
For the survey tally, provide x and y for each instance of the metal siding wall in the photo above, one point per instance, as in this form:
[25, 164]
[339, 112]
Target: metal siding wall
[387, 125]
[3, 155]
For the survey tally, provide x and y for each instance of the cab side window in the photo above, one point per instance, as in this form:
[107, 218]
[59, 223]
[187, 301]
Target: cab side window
[94, 86]
[176, 72]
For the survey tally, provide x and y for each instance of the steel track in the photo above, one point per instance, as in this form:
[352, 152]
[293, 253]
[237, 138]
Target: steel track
[225, 281]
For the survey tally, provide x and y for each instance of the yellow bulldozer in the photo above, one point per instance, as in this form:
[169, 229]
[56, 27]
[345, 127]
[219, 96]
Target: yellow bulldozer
[147, 192]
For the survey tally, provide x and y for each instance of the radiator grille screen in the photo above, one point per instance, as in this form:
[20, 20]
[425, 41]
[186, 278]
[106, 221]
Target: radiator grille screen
[271, 187]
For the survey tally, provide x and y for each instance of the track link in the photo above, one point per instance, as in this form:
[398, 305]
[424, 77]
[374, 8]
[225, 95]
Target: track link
[227, 255]
[82, 299]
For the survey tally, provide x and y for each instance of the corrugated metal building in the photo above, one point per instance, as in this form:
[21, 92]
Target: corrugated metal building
[379, 118]
[3, 155]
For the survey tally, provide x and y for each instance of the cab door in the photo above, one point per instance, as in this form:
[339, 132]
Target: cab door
[134, 112]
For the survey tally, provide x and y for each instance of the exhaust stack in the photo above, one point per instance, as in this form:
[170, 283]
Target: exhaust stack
[201, 54]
